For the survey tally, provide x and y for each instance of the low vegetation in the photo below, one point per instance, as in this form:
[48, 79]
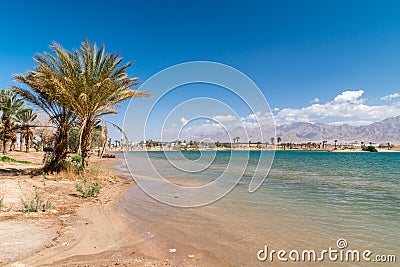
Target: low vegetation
[8, 159]
[36, 203]
[88, 189]
[33, 202]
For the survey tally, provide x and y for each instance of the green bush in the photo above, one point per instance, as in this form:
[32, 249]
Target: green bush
[8, 159]
[35, 204]
[1, 203]
[88, 190]
[77, 162]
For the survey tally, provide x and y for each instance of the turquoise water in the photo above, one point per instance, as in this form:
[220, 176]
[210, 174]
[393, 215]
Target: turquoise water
[308, 201]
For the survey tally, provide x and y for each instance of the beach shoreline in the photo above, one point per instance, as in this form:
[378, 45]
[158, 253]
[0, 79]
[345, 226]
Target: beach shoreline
[75, 232]
[99, 231]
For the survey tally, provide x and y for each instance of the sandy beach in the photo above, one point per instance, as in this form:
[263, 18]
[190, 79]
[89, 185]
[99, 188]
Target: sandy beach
[78, 231]
[75, 231]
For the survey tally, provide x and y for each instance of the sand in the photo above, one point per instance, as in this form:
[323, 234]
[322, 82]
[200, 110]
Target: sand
[75, 231]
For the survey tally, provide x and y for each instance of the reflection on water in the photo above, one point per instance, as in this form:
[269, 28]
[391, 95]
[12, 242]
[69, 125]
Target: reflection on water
[309, 200]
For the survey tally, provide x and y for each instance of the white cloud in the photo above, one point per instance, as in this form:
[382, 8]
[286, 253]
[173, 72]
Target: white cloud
[348, 96]
[315, 100]
[390, 97]
[346, 107]
[276, 109]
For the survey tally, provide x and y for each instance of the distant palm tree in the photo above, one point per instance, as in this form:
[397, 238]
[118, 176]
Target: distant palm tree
[25, 119]
[335, 143]
[272, 141]
[10, 106]
[278, 140]
[324, 144]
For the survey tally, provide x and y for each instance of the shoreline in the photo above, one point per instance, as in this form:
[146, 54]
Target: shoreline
[383, 150]
[83, 232]
[76, 232]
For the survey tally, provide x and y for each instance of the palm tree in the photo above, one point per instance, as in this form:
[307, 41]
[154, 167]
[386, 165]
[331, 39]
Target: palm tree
[278, 140]
[335, 143]
[87, 82]
[324, 144]
[25, 119]
[10, 106]
[59, 116]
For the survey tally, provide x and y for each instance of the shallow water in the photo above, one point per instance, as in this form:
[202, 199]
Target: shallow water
[309, 200]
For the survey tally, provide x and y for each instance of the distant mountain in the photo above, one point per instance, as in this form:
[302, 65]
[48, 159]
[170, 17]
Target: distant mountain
[384, 131]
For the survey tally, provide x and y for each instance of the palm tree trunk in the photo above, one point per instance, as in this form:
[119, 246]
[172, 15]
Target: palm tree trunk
[82, 128]
[5, 127]
[105, 140]
[27, 143]
[60, 150]
[4, 148]
[86, 142]
[21, 142]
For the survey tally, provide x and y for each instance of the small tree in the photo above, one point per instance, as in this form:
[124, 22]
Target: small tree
[10, 106]
[25, 120]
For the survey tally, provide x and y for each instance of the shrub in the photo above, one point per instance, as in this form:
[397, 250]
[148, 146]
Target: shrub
[88, 190]
[57, 167]
[8, 159]
[35, 204]
[1, 203]
[77, 162]
[370, 149]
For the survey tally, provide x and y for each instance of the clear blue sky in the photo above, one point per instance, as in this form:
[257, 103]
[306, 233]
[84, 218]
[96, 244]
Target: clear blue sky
[294, 50]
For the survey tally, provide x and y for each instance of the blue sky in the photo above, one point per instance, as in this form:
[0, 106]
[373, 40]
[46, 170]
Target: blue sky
[295, 51]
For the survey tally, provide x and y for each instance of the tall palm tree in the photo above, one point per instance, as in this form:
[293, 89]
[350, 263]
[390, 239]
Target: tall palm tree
[25, 120]
[88, 82]
[10, 106]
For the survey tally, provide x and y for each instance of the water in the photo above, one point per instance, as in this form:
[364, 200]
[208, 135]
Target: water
[309, 200]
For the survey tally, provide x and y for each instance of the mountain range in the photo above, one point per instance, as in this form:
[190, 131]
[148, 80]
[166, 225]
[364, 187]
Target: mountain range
[387, 130]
